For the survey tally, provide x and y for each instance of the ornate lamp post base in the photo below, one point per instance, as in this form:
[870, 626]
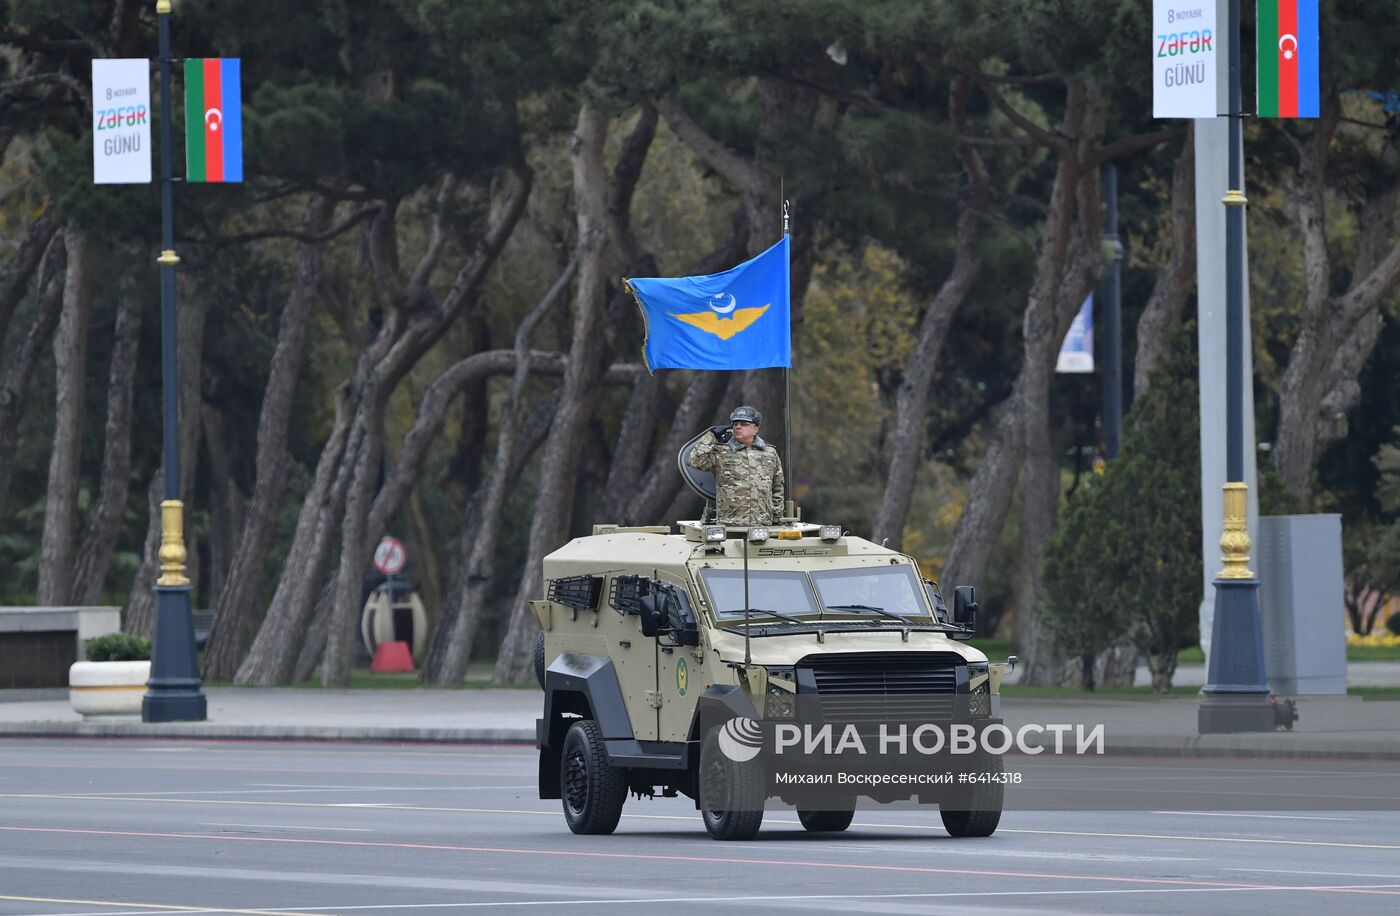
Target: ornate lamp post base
[1236, 698]
[174, 693]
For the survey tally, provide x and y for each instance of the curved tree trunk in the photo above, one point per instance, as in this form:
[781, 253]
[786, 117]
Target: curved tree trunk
[273, 655]
[560, 465]
[238, 608]
[911, 404]
[472, 586]
[227, 505]
[16, 272]
[70, 367]
[99, 541]
[14, 385]
[1339, 332]
[1068, 262]
[414, 325]
[1080, 268]
[1178, 277]
[345, 605]
[467, 600]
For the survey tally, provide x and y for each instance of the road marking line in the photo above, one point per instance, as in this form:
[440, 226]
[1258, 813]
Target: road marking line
[1282, 817]
[716, 860]
[763, 898]
[155, 796]
[157, 907]
[554, 811]
[287, 827]
[1330, 874]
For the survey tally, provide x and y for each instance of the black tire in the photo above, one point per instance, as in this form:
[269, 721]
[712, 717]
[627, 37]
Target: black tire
[539, 658]
[592, 789]
[977, 809]
[731, 793]
[826, 821]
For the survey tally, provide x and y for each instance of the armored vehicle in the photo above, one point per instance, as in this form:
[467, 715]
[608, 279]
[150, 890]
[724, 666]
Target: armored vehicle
[661, 653]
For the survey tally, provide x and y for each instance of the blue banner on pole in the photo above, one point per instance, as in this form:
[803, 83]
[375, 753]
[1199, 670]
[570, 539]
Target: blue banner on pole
[1077, 351]
[738, 319]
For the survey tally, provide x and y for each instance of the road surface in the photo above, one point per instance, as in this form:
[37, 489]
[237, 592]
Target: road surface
[120, 827]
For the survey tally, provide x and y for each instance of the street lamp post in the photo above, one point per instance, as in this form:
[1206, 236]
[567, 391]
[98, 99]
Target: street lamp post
[1236, 697]
[174, 692]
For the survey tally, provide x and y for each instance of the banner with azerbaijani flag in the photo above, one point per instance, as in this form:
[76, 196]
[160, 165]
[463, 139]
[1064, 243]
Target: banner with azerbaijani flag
[213, 120]
[1288, 48]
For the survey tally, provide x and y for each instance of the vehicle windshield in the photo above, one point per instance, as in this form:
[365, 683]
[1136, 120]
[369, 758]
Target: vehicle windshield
[787, 592]
[890, 588]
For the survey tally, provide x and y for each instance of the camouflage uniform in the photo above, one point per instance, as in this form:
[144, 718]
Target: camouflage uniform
[748, 481]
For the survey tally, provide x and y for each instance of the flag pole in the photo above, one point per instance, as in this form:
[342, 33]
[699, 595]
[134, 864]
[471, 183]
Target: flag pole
[790, 510]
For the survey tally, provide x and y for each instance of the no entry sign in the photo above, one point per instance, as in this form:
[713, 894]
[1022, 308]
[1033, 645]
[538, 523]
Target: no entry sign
[389, 556]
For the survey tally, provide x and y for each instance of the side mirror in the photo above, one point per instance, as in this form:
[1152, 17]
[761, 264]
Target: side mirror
[649, 614]
[965, 606]
[678, 623]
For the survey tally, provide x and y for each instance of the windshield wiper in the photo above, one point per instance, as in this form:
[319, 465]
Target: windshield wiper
[936, 624]
[781, 616]
[867, 607]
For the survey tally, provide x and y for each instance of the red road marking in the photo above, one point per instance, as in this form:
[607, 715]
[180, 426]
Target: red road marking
[721, 860]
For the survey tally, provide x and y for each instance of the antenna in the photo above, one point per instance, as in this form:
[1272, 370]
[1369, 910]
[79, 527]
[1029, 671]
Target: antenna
[748, 658]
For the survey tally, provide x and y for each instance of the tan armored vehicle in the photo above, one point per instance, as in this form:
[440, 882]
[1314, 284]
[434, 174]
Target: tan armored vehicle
[664, 655]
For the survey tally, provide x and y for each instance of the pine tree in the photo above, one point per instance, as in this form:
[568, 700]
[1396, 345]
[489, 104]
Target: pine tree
[1127, 560]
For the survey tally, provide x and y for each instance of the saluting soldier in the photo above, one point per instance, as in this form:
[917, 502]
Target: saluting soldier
[748, 472]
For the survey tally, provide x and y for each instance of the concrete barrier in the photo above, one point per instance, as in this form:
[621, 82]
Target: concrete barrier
[39, 644]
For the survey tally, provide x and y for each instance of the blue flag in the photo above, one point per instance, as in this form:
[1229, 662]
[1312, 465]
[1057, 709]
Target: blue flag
[739, 319]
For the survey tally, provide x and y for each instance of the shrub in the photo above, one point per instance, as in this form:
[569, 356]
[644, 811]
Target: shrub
[1392, 623]
[118, 647]
[1126, 560]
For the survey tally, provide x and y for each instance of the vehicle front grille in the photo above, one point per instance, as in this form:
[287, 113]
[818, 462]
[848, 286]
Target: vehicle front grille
[885, 686]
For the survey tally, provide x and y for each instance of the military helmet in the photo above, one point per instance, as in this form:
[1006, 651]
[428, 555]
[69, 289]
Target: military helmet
[746, 414]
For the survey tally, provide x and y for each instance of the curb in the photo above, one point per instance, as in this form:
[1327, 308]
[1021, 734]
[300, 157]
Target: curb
[1277, 745]
[210, 730]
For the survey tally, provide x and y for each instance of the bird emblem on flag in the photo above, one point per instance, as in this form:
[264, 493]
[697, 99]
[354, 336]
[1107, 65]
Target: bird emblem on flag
[721, 326]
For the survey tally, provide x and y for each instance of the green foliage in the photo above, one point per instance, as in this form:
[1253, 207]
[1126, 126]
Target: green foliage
[118, 647]
[1126, 560]
[1392, 623]
[1383, 557]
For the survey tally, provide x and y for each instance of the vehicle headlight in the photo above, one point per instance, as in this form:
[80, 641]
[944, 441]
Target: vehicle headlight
[714, 533]
[831, 532]
[979, 700]
[779, 704]
[758, 535]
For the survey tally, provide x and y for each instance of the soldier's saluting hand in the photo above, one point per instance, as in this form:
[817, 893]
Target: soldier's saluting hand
[748, 472]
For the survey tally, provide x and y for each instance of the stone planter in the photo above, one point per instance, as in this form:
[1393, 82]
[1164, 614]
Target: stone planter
[108, 688]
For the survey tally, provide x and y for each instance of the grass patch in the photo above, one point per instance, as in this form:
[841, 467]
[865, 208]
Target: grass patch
[994, 649]
[1375, 693]
[1373, 653]
[1194, 656]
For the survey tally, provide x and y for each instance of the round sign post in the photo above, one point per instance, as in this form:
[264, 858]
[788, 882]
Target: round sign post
[389, 556]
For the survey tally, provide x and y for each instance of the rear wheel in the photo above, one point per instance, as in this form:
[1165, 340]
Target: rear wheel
[826, 821]
[976, 809]
[592, 789]
[731, 792]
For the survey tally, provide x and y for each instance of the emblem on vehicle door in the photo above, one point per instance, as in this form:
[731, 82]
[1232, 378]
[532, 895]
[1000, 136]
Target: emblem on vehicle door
[682, 676]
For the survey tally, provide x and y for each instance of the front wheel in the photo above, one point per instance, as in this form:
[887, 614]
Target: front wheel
[976, 810]
[731, 792]
[592, 789]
